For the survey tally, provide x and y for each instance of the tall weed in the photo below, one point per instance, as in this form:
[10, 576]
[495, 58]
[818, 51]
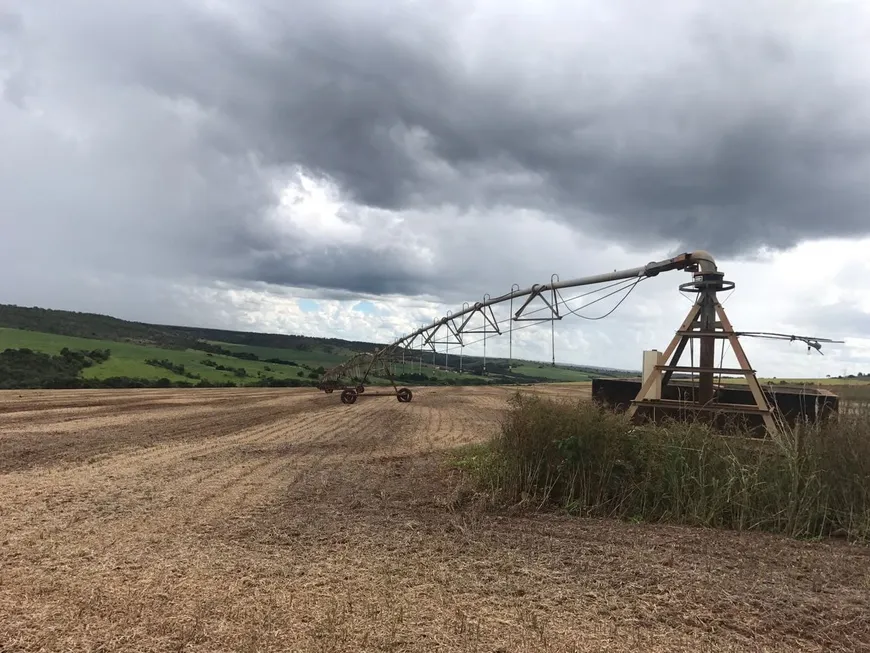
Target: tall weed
[809, 481]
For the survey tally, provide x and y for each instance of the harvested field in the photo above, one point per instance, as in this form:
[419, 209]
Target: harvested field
[282, 520]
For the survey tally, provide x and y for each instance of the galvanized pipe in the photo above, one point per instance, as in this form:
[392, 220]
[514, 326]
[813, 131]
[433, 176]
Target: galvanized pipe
[699, 261]
[703, 260]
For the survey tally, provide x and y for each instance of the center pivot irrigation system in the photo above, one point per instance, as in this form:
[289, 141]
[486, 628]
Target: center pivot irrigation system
[706, 321]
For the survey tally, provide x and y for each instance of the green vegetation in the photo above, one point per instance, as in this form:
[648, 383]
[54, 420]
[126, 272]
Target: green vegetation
[498, 370]
[551, 373]
[137, 365]
[147, 354]
[24, 368]
[133, 365]
[103, 327]
[311, 356]
[810, 482]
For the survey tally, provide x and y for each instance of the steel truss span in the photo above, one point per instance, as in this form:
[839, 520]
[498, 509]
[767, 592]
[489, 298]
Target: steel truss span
[351, 376]
[707, 322]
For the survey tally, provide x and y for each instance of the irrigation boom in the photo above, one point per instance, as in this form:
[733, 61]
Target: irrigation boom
[706, 322]
[698, 260]
[361, 366]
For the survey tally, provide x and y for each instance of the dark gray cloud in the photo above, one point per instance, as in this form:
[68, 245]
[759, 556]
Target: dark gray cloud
[166, 125]
[748, 139]
[354, 269]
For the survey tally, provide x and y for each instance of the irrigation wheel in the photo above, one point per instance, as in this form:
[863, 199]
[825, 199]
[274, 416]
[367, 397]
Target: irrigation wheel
[348, 396]
[360, 389]
[404, 395]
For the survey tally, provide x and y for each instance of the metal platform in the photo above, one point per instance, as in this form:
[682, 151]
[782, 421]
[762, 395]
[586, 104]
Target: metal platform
[732, 402]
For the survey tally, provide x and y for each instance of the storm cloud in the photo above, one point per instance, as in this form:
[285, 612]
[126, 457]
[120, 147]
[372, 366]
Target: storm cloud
[159, 137]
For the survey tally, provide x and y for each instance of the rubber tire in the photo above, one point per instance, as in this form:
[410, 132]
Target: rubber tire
[328, 391]
[348, 396]
[404, 395]
[360, 389]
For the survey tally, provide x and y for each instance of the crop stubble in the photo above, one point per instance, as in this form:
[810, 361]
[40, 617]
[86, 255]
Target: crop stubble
[271, 520]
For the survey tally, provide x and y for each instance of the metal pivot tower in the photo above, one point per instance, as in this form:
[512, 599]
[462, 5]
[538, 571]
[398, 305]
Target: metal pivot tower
[706, 322]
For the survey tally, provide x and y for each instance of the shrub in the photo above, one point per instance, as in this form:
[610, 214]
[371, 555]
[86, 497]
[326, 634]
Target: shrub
[279, 361]
[809, 481]
[25, 368]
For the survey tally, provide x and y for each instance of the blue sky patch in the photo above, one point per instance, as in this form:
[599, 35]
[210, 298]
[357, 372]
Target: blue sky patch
[365, 307]
[308, 305]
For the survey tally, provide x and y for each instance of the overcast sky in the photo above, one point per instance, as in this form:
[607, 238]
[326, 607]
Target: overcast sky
[354, 168]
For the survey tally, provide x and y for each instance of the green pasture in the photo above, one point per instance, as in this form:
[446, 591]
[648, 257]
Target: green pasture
[313, 357]
[551, 373]
[128, 359]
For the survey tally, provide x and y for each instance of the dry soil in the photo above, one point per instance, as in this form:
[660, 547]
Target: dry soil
[282, 520]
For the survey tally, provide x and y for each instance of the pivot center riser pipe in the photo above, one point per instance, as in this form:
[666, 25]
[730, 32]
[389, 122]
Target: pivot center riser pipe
[708, 344]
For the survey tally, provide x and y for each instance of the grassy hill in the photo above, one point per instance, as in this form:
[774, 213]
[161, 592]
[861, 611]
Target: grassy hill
[149, 354]
[103, 327]
[129, 359]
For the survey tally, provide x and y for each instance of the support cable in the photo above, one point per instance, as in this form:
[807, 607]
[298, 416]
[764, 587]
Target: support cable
[610, 312]
[554, 279]
[623, 283]
[722, 362]
[632, 283]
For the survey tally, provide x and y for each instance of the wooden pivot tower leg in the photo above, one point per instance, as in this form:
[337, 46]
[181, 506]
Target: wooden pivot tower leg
[708, 323]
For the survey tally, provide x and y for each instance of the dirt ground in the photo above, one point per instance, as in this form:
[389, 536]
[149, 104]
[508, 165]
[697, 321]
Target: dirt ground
[282, 520]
